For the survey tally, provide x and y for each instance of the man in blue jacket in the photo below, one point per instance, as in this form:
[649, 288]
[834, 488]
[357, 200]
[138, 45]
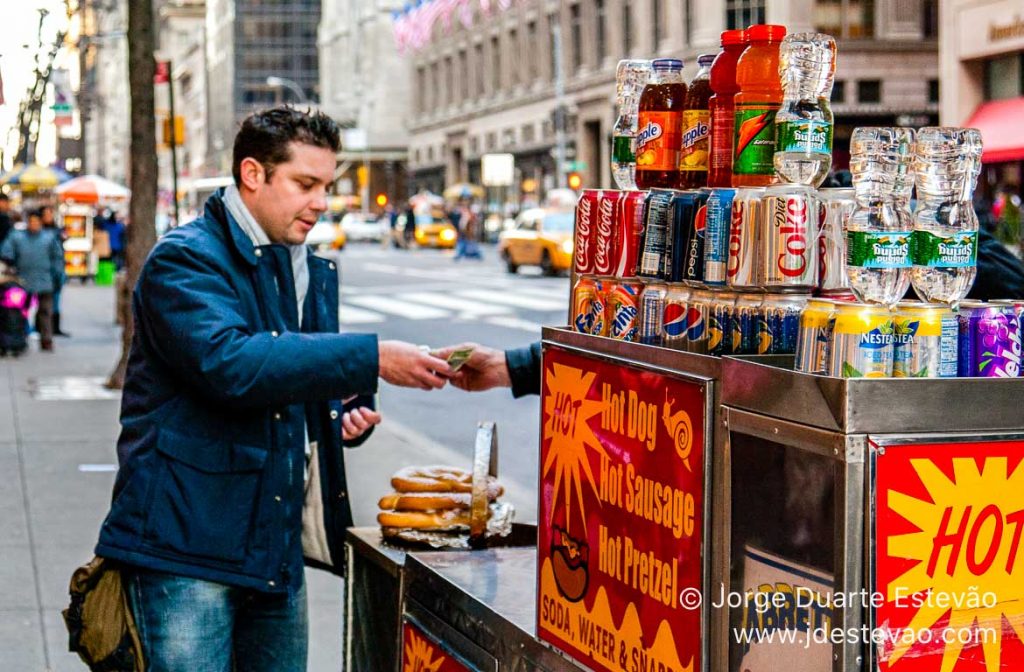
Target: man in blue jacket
[38, 258]
[230, 453]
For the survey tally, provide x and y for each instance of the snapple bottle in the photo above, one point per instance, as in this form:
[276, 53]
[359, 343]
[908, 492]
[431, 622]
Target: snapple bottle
[659, 127]
[721, 105]
[693, 157]
[759, 98]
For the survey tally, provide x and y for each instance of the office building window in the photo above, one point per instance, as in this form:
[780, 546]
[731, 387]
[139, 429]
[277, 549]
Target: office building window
[576, 35]
[930, 18]
[869, 91]
[839, 91]
[552, 22]
[1004, 77]
[421, 89]
[688, 12]
[528, 133]
[531, 52]
[478, 67]
[627, 28]
[495, 64]
[656, 21]
[463, 76]
[845, 19]
[490, 141]
[449, 81]
[513, 63]
[933, 91]
[601, 14]
[743, 13]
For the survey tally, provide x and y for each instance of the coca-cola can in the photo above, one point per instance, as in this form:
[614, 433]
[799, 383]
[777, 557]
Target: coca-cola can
[586, 226]
[836, 207]
[787, 254]
[741, 271]
[629, 232]
[654, 252]
[604, 245]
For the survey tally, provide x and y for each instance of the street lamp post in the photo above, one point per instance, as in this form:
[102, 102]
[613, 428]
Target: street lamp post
[291, 85]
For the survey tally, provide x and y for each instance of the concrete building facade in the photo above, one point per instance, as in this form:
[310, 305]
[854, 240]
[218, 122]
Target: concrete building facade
[491, 87]
[103, 91]
[982, 68]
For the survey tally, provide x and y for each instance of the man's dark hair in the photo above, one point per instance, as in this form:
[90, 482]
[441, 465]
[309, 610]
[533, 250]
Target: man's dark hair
[266, 136]
[4, 197]
[35, 212]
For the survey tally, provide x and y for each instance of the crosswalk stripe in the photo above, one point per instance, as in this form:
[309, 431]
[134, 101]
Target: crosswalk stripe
[352, 315]
[456, 304]
[517, 300]
[549, 292]
[510, 322]
[408, 310]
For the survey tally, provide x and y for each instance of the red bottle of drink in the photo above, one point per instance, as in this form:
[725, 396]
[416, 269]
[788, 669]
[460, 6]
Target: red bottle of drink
[723, 83]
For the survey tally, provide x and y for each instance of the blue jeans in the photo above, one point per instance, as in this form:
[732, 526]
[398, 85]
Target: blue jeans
[191, 625]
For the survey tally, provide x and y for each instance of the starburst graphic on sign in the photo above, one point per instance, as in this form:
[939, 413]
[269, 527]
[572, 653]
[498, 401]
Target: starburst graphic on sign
[967, 546]
[567, 410]
[419, 655]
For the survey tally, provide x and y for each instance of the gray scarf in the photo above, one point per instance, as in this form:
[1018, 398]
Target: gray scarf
[300, 264]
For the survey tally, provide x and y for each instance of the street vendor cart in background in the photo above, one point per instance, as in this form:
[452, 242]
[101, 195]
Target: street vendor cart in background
[80, 257]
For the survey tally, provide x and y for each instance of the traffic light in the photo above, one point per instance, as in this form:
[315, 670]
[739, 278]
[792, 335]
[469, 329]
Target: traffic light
[575, 181]
[382, 200]
[178, 137]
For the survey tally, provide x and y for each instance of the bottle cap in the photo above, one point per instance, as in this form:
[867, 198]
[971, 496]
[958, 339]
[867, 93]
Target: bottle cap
[667, 64]
[733, 37]
[705, 60]
[766, 33]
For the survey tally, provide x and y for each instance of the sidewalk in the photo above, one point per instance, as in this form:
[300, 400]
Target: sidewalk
[57, 461]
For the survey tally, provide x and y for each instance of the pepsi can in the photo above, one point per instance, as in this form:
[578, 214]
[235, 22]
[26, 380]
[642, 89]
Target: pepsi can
[780, 324]
[744, 324]
[697, 318]
[675, 318]
[716, 236]
[654, 249]
[693, 273]
[652, 305]
[720, 323]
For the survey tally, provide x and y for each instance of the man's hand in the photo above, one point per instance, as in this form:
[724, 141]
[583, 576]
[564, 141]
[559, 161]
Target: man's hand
[406, 365]
[357, 422]
[485, 368]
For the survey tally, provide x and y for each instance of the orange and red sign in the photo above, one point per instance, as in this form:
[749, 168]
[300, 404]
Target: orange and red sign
[621, 515]
[950, 563]
[421, 653]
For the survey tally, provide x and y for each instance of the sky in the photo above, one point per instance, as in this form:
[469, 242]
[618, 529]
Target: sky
[18, 48]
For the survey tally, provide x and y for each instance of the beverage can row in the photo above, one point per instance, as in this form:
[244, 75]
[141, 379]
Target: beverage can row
[606, 307]
[914, 340]
[609, 224]
[718, 323]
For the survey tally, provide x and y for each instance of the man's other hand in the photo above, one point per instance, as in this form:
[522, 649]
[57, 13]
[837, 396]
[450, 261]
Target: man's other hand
[406, 365]
[357, 422]
[485, 368]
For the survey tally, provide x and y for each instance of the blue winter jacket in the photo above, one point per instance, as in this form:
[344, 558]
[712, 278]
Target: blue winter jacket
[220, 384]
[38, 258]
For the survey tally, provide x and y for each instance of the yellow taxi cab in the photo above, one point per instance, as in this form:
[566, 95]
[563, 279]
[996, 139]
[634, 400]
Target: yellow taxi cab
[539, 237]
[434, 230]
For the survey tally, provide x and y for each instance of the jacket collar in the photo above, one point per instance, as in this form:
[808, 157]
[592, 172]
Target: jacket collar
[216, 211]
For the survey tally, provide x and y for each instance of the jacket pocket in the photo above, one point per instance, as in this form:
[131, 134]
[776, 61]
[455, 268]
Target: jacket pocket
[205, 497]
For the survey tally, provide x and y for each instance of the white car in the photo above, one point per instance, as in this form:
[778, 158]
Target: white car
[358, 226]
[323, 234]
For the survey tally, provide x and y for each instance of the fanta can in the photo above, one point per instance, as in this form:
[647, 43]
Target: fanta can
[623, 310]
[584, 295]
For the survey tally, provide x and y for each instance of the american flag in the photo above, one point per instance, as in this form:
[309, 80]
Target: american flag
[1, 89]
[413, 26]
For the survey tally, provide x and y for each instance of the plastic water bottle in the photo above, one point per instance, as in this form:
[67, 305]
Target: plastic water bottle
[879, 230]
[947, 162]
[803, 125]
[630, 76]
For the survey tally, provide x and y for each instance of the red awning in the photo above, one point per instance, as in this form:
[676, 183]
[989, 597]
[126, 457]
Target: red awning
[1001, 123]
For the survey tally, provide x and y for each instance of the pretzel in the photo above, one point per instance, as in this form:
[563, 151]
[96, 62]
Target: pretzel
[425, 501]
[438, 479]
[424, 520]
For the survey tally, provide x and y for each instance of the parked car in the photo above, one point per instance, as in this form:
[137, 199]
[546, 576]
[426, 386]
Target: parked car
[358, 226]
[326, 234]
[540, 237]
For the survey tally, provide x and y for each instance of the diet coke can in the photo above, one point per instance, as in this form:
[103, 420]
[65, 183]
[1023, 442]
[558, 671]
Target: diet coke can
[604, 235]
[787, 256]
[657, 234]
[623, 309]
[836, 207]
[741, 271]
[586, 225]
[629, 231]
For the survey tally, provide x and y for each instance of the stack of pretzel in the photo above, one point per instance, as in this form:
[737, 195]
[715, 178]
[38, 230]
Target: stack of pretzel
[431, 499]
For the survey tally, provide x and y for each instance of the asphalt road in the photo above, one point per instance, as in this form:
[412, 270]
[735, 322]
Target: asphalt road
[426, 297]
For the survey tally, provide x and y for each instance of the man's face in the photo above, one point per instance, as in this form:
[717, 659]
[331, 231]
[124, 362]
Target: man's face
[47, 216]
[5, 205]
[289, 203]
[35, 224]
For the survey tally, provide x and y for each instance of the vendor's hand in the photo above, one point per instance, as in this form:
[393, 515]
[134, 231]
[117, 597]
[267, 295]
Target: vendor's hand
[405, 364]
[357, 422]
[485, 368]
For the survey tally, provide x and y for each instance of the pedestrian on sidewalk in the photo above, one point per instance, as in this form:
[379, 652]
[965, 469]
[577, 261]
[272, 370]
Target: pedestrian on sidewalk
[38, 260]
[50, 224]
[231, 465]
[5, 217]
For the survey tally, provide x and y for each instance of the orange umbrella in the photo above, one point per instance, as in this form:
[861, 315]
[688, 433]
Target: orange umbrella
[92, 189]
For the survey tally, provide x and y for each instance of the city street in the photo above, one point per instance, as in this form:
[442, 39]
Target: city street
[58, 429]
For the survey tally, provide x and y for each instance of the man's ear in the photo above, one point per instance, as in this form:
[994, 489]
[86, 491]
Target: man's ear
[252, 172]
